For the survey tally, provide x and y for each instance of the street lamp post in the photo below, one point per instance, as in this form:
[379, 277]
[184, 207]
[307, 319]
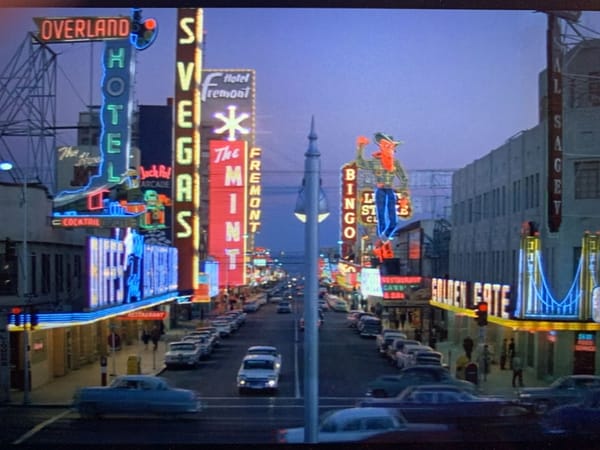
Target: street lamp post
[26, 296]
[314, 206]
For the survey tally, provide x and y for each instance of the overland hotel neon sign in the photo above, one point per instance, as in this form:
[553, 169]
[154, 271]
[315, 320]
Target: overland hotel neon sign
[74, 29]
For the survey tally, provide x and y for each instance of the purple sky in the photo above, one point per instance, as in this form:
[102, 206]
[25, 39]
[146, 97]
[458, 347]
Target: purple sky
[453, 85]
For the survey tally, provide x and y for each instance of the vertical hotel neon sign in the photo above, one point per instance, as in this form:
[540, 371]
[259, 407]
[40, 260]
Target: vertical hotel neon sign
[555, 118]
[186, 164]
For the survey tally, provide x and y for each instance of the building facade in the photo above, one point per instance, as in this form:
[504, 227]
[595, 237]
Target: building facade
[501, 236]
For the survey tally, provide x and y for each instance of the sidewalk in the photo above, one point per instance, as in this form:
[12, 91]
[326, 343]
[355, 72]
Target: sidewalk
[59, 392]
[498, 382]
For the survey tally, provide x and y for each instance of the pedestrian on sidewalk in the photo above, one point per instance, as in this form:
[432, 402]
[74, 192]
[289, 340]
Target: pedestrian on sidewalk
[503, 354]
[511, 351]
[461, 364]
[517, 368]
[145, 338]
[468, 346]
[155, 336]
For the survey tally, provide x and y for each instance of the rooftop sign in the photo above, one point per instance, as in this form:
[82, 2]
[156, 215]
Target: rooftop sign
[76, 29]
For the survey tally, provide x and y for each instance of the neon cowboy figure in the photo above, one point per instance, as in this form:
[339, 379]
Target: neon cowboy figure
[385, 170]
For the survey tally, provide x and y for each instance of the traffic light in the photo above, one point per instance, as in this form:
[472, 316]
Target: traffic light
[143, 32]
[481, 314]
[16, 315]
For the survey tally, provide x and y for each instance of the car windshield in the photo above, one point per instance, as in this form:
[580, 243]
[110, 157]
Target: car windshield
[258, 364]
[182, 347]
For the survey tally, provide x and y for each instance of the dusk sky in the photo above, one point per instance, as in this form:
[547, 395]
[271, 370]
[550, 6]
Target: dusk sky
[453, 85]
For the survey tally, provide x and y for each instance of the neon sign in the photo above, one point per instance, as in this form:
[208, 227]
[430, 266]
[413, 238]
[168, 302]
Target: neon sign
[74, 29]
[227, 205]
[254, 189]
[348, 216]
[186, 200]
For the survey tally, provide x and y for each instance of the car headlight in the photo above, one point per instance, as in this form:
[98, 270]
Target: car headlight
[277, 365]
[272, 382]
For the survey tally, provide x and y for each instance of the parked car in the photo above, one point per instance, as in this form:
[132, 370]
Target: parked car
[275, 299]
[136, 394]
[201, 341]
[426, 358]
[579, 420]
[405, 357]
[214, 333]
[284, 307]
[567, 389]
[356, 424]
[258, 372]
[339, 305]
[391, 385]
[452, 404]
[369, 326]
[266, 350]
[323, 305]
[224, 327]
[183, 353]
[250, 307]
[386, 337]
[396, 346]
[354, 316]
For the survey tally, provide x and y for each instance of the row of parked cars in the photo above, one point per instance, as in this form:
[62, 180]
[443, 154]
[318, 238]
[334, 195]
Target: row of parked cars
[199, 344]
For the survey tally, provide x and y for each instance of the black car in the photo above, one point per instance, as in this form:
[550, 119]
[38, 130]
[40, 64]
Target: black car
[575, 420]
[392, 385]
[453, 404]
[567, 389]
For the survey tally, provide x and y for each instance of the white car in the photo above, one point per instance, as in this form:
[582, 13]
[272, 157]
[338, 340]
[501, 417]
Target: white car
[266, 350]
[356, 424]
[258, 372]
[183, 353]
[405, 357]
[201, 341]
[224, 327]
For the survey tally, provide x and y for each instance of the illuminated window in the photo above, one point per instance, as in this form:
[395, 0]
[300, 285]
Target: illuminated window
[587, 180]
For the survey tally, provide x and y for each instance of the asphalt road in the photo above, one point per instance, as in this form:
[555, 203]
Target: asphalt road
[346, 364]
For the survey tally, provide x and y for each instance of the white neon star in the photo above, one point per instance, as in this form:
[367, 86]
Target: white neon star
[232, 123]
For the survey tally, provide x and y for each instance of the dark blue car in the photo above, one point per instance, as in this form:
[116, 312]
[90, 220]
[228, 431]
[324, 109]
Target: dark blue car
[576, 419]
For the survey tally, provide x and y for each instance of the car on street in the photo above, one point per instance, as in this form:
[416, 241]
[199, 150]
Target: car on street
[250, 307]
[224, 327]
[258, 372]
[392, 384]
[356, 424]
[396, 347]
[136, 394]
[184, 353]
[203, 342]
[369, 327]
[579, 420]
[284, 307]
[338, 305]
[564, 390]
[450, 404]
[386, 337]
[406, 357]
[266, 350]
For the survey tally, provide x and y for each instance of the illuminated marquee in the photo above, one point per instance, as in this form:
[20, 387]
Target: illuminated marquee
[367, 211]
[128, 271]
[77, 29]
[227, 205]
[348, 216]
[466, 294]
[254, 189]
[555, 119]
[186, 197]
